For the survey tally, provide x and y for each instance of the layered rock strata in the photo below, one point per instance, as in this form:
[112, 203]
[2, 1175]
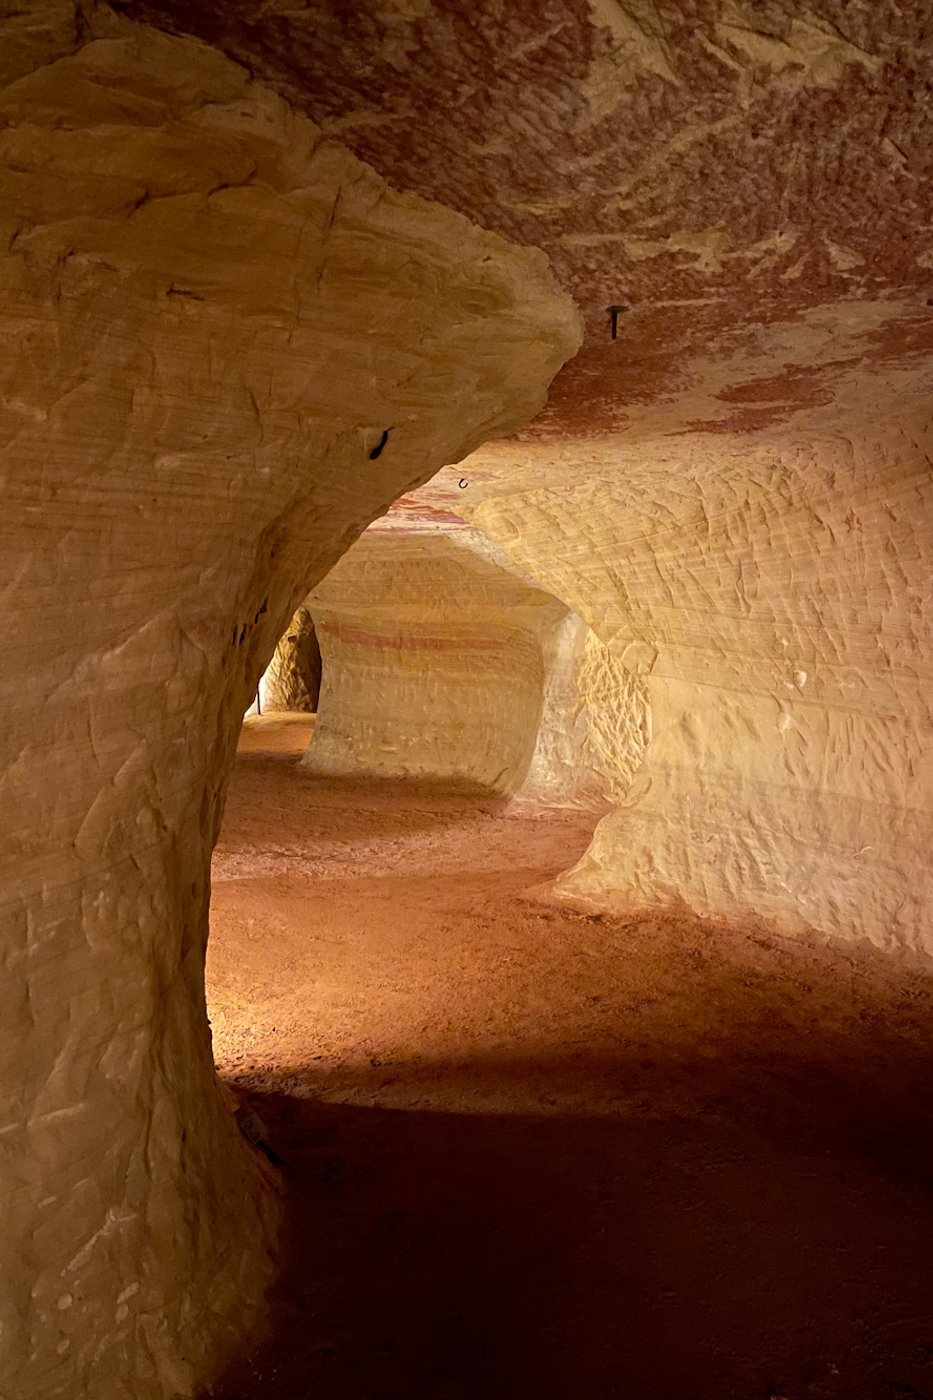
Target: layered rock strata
[213, 319]
[433, 663]
[441, 663]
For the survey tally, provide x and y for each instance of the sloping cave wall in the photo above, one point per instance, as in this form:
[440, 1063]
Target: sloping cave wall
[211, 315]
[770, 596]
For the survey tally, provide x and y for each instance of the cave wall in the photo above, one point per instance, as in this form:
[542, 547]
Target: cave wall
[210, 317]
[434, 663]
[444, 663]
[765, 602]
[292, 680]
[593, 728]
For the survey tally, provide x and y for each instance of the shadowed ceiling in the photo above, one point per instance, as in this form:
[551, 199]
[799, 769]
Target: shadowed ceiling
[750, 179]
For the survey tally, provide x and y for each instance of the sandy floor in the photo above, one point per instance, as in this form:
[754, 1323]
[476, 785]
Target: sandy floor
[534, 1154]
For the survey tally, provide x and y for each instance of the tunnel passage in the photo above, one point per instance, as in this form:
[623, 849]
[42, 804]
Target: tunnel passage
[442, 664]
[228, 346]
[433, 663]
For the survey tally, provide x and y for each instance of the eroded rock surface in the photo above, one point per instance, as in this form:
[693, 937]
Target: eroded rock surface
[292, 680]
[742, 175]
[228, 346]
[748, 186]
[769, 597]
[212, 317]
[433, 663]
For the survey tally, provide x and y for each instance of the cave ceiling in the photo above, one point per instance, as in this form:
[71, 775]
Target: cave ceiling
[749, 178]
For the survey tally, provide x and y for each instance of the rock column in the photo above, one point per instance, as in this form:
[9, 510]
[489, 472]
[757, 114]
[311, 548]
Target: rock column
[212, 319]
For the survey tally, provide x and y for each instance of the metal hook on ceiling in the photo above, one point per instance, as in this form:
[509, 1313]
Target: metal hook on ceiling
[614, 313]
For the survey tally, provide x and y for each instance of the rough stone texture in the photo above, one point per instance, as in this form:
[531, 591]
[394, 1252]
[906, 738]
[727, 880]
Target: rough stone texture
[211, 315]
[292, 680]
[721, 167]
[754, 696]
[433, 663]
[569, 766]
[766, 608]
[752, 182]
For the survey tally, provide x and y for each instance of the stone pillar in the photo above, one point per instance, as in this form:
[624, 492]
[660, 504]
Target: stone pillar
[293, 677]
[211, 319]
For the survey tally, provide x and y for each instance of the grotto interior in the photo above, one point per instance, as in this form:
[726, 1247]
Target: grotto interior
[531, 403]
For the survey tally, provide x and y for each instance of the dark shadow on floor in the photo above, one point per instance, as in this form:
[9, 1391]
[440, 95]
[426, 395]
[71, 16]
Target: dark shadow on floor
[441, 1256]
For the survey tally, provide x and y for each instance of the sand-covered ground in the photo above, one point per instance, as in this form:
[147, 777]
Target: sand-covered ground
[532, 1153]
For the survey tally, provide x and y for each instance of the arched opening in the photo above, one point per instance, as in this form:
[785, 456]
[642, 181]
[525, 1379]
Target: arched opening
[283, 711]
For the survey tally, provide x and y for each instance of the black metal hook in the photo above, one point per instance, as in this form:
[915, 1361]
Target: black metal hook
[614, 313]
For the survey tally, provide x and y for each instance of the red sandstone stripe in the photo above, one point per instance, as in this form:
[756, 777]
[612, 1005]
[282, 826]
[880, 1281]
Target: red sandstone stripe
[356, 635]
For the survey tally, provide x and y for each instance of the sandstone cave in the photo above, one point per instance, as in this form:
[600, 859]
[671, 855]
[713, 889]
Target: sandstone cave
[531, 406]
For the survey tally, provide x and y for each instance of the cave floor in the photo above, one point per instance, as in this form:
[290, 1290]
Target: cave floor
[531, 1153]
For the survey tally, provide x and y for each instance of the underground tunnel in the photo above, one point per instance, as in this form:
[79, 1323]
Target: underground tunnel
[521, 415]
